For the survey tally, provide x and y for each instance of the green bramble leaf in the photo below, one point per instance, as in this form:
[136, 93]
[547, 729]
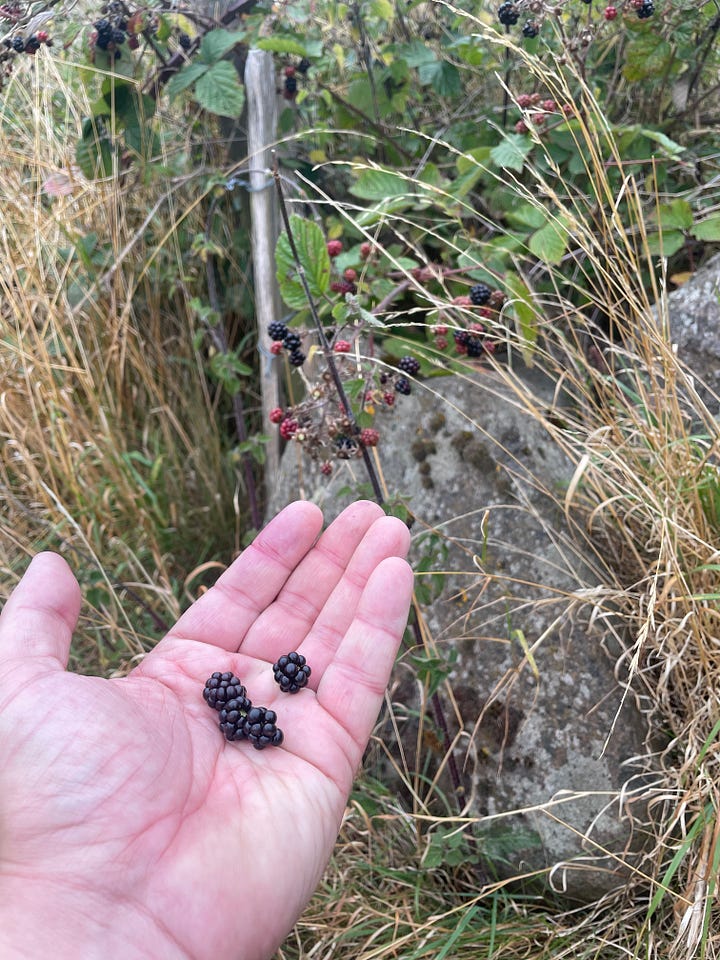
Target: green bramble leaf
[185, 78]
[217, 43]
[550, 243]
[677, 215]
[708, 230]
[219, 90]
[512, 152]
[380, 184]
[665, 244]
[279, 44]
[94, 152]
[313, 256]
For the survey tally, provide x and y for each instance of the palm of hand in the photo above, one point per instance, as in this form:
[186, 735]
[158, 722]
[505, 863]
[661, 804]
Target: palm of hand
[127, 787]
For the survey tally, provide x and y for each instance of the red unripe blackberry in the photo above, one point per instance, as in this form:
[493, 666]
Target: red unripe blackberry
[288, 428]
[521, 127]
[610, 13]
[548, 105]
[369, 437]
[326, 469]
[497, 299]
[43, 36]
[489, 346]
[388, 399]
[350, 275]
[276, 347]
[289, 71]
[291, 672]
[334, 247]
[538, 119]
[440, 329]
[341, 346]
[222, 687]
[524, 101]
[260, 728]
[343, 286]
[366, 250]
[441, 343]
[480, 294]
[409, 365]
[232, 718]
[276, 415]
[534, 99]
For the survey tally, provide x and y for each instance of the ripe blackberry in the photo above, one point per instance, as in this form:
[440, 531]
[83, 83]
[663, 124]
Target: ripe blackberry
[185, 41]
[402, 385]
[303, 66]
[461, 338]
[291, 341]
[480, 294]
[290, 86]
[646, 10]
[221, 687]
[233, 715]
[297, 358]
[277, 330]
[508, 13]
[18, 44]
[260, 728]
[475, 346]
[531, 29]
[409, 365]
[291, 672]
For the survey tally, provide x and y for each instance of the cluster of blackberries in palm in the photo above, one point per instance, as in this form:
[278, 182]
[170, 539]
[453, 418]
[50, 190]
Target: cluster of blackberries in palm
[239, 719]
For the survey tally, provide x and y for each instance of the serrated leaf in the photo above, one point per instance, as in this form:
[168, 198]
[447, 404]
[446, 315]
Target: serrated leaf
[444, 77]
[549, 244]
[416, 53]
[185, 78]
[511, 152]
[526, 314]
[279, 44]
[474, 159]
[665, 245]
[380, 185]
[314, 259]
[708, 230]
[219, 90]
[527, 215]
[677, 215]
[217, 43]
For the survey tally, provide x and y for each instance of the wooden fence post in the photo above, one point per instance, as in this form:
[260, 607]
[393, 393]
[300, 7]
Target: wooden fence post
[261, 135]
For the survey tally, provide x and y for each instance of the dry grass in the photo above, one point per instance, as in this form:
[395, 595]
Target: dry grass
[645, 498]
[113, 450]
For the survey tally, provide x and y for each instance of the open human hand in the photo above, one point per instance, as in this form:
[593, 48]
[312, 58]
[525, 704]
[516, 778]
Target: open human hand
[129, 828]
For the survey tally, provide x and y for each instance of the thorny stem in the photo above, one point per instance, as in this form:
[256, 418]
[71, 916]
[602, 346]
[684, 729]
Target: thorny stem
[437, 706]
[332, 366]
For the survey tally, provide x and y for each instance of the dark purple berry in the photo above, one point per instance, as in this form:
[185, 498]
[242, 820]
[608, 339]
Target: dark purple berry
[291, 341]
[297, 358]
[402, 385]
[221, 687]
[233, 716]
[260, 728]
[409, 365]
[277, 330]
[184, 41]
[291, 672]
[531, 29]
[508, 13]
[480, 294]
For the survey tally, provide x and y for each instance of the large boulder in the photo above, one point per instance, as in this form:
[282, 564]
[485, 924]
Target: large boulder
[545, 728]
[694, 314]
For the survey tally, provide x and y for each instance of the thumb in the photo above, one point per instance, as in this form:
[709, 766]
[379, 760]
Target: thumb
[38, 620]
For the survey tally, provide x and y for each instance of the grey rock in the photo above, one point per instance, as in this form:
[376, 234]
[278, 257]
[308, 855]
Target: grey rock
[694, 313]
[549, 732]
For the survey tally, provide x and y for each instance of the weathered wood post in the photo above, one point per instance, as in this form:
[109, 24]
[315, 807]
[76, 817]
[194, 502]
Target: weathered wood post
[261, 134]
